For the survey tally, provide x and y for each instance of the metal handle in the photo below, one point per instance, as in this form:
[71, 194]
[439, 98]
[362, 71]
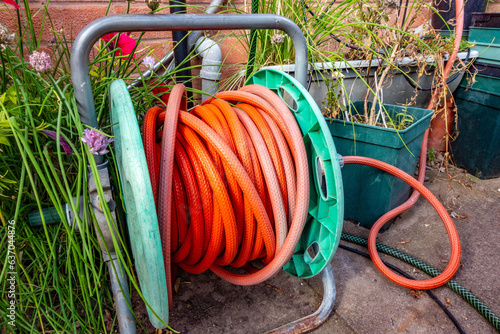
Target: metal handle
[147, 22]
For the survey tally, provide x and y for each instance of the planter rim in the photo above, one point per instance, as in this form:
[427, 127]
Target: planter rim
[484, 28]
[375, 127]
[475, 89]
[406, 61]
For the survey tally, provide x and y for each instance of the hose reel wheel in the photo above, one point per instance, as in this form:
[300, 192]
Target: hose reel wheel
[321, 235]
[139, 203]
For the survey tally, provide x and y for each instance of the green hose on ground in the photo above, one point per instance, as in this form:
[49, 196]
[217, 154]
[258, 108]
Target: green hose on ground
[484, 310]
[253, 43]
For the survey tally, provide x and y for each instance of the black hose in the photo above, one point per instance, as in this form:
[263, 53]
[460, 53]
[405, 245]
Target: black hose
[253, 43]
[181, 50]
[404, 13]
[478, 305]
[402, 273]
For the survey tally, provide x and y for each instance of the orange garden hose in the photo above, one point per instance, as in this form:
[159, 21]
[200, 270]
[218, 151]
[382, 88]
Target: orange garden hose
[419, 188]
[230, 180]
[454, 263]
[231, 185]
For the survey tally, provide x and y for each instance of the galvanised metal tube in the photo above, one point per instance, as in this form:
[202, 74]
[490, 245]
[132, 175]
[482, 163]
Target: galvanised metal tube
[121, 296]
[146, 22]
[314, 320]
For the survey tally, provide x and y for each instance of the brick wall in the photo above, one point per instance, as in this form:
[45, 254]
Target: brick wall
[73, 15]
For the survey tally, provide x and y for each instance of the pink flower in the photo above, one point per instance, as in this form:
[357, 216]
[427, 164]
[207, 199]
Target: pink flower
[40, 61]
[125, 43]
[11, 3]
[149, 62]
[96, 141]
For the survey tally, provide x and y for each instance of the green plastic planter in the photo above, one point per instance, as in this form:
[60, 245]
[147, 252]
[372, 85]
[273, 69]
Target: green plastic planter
[369, 192]
[477, 147]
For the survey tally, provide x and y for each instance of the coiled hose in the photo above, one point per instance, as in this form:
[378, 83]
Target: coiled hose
[221, 174]
[478, 305]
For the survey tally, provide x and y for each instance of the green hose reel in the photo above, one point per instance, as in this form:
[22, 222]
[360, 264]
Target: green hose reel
[321, 235]
[139, 202]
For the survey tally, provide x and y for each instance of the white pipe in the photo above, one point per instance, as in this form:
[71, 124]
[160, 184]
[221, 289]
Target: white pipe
[192, 38]
[210, 53]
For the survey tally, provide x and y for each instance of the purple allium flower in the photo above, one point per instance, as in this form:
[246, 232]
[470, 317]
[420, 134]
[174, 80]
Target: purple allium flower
[149, 62]
[97, 142]
[65, 145]
[40, 61]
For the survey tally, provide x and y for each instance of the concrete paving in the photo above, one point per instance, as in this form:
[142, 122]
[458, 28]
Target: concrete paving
[367, 302]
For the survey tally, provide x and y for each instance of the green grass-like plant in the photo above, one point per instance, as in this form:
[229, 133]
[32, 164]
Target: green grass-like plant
[62, 283]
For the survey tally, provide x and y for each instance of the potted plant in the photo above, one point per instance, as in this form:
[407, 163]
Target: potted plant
[352, 38]
[380, 125]
[357, 53]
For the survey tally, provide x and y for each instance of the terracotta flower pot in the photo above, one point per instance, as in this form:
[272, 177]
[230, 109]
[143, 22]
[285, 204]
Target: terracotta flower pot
[441, 124]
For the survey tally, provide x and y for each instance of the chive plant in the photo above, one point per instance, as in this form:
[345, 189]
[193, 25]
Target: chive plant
[61, 282]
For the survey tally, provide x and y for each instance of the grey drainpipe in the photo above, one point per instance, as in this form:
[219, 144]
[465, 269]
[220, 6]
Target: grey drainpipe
[211, 55]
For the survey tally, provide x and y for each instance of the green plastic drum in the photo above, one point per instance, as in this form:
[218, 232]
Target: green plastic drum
[142, 221]
[321, 235]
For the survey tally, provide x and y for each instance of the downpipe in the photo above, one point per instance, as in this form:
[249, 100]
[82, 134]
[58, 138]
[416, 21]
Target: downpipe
[210, 53]
[166, 61]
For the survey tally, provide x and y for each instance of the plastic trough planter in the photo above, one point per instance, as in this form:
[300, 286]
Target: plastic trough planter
[477, 147]
[396, 91]
[369, 192]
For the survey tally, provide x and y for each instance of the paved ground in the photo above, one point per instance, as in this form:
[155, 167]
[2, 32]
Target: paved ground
[366, 301]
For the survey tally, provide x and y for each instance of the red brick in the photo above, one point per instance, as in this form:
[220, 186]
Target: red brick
[141, 8]
[8, 19]
[77, 16]
[57, 15]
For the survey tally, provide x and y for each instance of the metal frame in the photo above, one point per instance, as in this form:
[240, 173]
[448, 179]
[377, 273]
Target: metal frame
[315, 319]
[124, 23]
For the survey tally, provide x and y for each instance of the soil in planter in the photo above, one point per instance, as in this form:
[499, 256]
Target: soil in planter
[400, 122]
